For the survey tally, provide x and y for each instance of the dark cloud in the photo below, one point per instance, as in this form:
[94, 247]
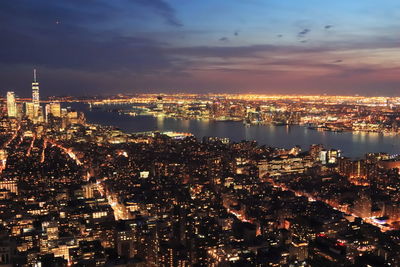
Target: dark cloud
[162, 8]
[71, 47]
[40, 13]
[338, 61]
[224, 51]
[104, 46]
[327, 27]
[89, 13]
[31, 35]
[303, 33]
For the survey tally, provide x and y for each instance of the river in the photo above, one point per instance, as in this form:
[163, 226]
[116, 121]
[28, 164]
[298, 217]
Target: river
[354, 145]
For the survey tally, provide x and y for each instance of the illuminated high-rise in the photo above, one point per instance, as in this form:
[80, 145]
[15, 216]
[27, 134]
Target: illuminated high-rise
[35, 95]
[11, 105]
[3, 159]
[29, 110]
[53, 109]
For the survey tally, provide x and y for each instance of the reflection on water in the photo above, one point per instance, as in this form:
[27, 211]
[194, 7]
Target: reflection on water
[160, 122]
[352, 144]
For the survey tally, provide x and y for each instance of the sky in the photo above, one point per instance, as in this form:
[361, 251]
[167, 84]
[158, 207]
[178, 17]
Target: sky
[91, 47]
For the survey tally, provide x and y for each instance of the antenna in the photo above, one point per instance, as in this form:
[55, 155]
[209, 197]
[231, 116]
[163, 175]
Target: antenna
[34, 75]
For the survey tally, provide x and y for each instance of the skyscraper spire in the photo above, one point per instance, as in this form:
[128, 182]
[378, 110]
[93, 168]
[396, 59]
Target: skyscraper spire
[34, 75]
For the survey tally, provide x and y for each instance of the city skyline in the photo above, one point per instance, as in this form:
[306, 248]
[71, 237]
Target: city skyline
[76, 190]
[301, 47]
[173, 133]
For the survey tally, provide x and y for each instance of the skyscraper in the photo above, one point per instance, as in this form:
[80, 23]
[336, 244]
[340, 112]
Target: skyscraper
[11, 105]
[35, 95]
[54, 109]
[29, 111]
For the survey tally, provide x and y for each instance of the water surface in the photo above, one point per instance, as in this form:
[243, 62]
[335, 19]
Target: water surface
[353, 145]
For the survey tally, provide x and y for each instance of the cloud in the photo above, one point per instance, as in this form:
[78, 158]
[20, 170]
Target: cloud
[39, 13]
[303, 33]
[77, 48]
[88, 13]
[225, 52]
[163, 9]
[31, 36]
[106, 45]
